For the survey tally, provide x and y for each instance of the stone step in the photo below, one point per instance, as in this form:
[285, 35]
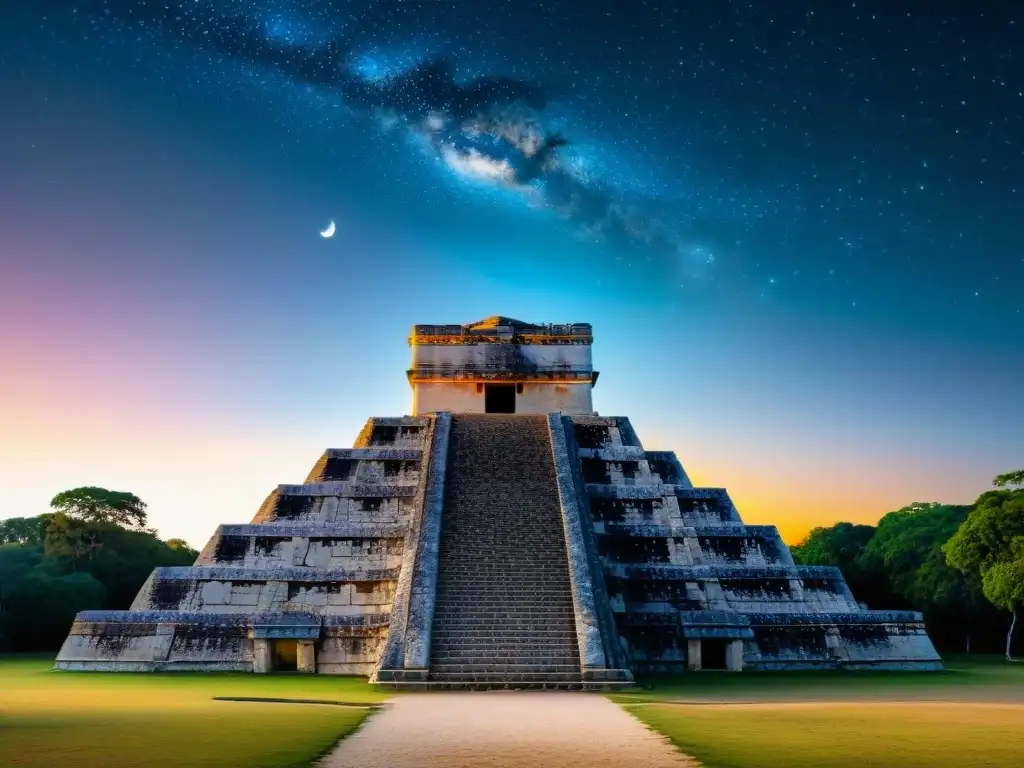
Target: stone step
[526, 628]
[508, 635]
[532, 586]
[549, 685]
[512, 645]
[498, 607]
[552, 621]
[468, 607]
[474, 560]
[525, 625]
[544, 598]
[507, 644]
[506, 677]
[511, 633]
[502, 656]
[518, 603]
[503, 614]
[497, 668]
[548, 599]
[530, 578]
[521, 574]
[539, 593]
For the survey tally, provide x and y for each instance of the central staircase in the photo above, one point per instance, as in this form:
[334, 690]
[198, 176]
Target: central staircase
[503, 615]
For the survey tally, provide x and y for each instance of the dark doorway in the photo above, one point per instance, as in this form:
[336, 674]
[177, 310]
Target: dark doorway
[712, 654]
[286, 655]
[500, 398]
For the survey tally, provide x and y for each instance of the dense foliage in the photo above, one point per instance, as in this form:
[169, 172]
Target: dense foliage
[89, 554]
[98, 505]
[990, 544]
[962, 566]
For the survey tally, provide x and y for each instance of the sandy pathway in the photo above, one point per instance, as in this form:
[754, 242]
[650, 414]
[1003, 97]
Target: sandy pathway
[502, 729]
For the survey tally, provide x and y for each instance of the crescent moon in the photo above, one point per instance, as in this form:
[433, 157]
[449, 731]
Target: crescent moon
[329, 232]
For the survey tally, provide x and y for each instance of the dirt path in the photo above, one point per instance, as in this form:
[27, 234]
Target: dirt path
[504, 729]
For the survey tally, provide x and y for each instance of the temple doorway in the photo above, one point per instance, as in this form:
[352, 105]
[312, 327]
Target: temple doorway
[712, 654]
[499, 398]
[284, 656]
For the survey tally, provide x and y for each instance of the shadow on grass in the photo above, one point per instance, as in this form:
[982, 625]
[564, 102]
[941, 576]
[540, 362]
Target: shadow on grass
[267, 700]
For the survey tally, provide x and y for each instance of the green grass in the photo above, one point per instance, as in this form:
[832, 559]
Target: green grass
[81, 720]
[974, 678]
[843, 734]
[971, 716]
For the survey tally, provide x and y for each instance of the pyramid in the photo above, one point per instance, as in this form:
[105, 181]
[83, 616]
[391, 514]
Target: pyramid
[504, 535]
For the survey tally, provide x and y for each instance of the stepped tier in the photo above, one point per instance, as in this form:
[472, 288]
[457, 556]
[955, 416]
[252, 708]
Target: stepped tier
[308, 584]
[692, 587]
[485, 550]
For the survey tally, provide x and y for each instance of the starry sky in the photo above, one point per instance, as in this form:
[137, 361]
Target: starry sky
[795, 227]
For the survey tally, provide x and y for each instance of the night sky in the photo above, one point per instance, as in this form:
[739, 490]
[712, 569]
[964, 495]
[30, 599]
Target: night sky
[795, 226]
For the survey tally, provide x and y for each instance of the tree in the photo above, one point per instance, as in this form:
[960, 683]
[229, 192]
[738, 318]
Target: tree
[123, 560]
[838, 545]
[989, 533]
[1004, 587]
[74, 540]
[92, 552]
[23, 530]
[119, 558]
[992, 538]
[907, 546]
[1009, 478]
[99, 505]
[37, 602]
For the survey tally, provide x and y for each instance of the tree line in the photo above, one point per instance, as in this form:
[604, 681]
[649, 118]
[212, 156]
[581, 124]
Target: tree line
[92, 551]
[962, 566]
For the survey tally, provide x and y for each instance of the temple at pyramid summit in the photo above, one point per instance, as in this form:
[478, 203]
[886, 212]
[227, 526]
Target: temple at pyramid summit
[503, 535]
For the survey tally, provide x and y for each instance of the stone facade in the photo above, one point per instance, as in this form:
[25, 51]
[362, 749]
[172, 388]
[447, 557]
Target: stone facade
[692, 587]
[502, 365]
[465, 549]
[309, 584]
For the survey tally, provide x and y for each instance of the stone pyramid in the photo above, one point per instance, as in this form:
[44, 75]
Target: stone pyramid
[504, 535]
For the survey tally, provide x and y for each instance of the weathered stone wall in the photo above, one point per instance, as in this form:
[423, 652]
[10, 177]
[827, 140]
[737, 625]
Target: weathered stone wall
[408, 641]
[489, 359]
[535, 397]
[552, 366]
[319, 564]
[315, 546]
[686, 579]
[351, 650]
[869, 639]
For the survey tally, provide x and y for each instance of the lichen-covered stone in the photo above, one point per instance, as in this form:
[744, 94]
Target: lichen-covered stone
[670, 552]
[318, 566]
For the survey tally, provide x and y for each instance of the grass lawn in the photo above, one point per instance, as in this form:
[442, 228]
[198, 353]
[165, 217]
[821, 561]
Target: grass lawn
[977, 678]
[843, 735]
[971, 716]
[72, 719]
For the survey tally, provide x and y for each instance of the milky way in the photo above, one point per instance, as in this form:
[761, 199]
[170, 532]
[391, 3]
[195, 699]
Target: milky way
[489, 129]
[858, 154]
